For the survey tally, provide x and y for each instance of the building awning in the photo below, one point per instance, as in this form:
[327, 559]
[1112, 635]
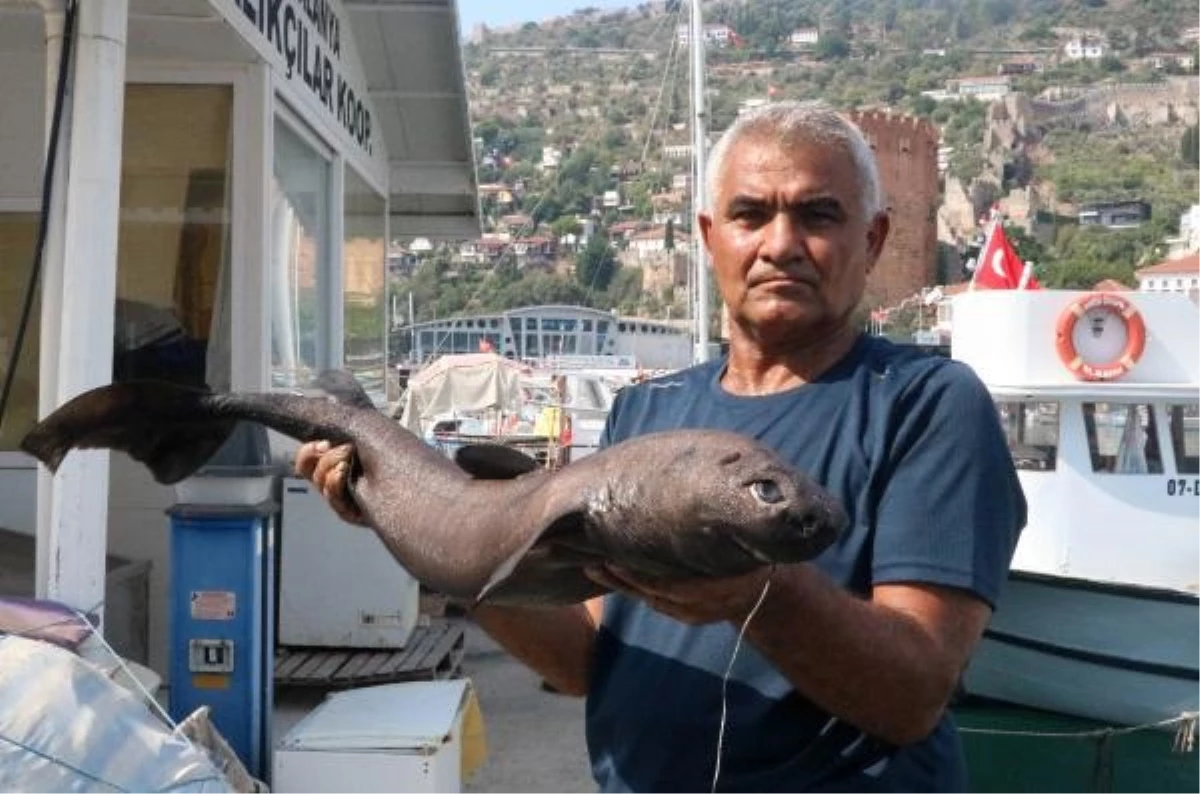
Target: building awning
[413, 64]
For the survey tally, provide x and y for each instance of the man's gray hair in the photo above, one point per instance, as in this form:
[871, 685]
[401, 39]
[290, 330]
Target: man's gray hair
[800, 122]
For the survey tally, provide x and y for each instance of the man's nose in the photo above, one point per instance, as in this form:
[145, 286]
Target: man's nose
[783, 239]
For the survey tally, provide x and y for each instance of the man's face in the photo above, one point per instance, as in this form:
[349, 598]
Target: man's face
[790, 244]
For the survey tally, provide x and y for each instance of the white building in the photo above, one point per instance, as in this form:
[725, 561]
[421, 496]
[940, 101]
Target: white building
[1189, 233]
[551, 157]
[1162, 60]
[716, 34]
[230, 174]
[538, 332]
[1181, 274]
[677, 151]
[1089, 48]
[804, 37]
[649, 242]
[985, 88]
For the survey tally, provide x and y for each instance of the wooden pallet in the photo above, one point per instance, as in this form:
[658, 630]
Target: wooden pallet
[433, 652]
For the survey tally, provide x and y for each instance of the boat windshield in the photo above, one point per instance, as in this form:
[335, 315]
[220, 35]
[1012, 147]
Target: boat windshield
[1122, 438]
[1184, 424]
[1031, 427]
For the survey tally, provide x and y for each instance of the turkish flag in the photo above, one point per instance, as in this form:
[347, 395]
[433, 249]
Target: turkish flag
[999, 267]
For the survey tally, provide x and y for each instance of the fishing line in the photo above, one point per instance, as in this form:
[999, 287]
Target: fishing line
[762, 596]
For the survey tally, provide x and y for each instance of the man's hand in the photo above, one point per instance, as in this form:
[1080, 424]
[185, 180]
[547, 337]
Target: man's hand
[327, 467]
[693, 601]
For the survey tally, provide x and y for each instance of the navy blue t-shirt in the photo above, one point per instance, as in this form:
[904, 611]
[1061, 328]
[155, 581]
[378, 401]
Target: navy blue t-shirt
[912, 446]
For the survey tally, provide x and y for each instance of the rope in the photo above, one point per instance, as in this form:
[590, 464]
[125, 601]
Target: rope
[1185, 738]
[762, 596]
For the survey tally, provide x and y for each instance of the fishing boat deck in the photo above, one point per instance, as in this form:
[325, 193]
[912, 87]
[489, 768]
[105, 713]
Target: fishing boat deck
[435, 651]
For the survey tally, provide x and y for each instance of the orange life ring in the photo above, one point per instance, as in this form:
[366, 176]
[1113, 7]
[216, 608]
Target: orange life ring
[1135, 336]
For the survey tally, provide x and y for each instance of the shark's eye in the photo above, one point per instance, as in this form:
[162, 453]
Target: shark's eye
[767, 491]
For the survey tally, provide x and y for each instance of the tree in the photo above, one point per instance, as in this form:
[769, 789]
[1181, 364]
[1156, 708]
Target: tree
[832, 47]
[596, 263]
[669, 235]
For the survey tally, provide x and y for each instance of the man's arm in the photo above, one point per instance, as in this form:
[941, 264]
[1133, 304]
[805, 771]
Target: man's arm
[556, 643]
[887, 665]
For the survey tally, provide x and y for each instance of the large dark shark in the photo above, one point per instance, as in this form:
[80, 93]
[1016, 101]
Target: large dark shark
[491, 525]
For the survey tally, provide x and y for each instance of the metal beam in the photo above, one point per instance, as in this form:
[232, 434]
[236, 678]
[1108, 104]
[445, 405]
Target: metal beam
[395, 93]
[391, 7]
[447, 178]
[434, 227]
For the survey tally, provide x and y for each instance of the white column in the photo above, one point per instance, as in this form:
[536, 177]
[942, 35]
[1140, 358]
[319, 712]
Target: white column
[251, 245]
[52, 258]
[73, 516]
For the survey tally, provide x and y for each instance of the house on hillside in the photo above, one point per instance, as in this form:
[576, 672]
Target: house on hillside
[1085, 48]
[803, 38]
[716, 34]
[551, 158]
[535, 252]
[1185, 60]
[1188, 238]
[653, 241]
[1181, 274]
[984, 88]
[1115, 214]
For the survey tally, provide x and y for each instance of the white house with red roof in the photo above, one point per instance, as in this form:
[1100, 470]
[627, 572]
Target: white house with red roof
[1181, 274]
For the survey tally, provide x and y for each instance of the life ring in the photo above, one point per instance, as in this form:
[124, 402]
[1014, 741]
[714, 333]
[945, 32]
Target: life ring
[1135, 336]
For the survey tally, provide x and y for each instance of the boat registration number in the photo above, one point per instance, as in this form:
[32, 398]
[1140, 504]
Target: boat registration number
[1182, 487]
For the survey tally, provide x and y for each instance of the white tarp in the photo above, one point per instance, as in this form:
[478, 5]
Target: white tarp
[64, 726]
[472, 383]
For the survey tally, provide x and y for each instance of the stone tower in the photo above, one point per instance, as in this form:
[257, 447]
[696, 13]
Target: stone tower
[906, 150]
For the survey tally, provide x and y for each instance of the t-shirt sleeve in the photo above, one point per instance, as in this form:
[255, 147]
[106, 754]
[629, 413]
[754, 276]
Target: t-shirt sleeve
[950, 507]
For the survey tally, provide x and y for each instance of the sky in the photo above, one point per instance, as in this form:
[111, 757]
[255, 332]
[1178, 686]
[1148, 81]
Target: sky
[507, 12]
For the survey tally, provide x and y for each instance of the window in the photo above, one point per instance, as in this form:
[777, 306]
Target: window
[1031, 428]
[1183, 420]
[300, 253]
[364, 284]
[1122, 438]
[18, 232]
[172, 310]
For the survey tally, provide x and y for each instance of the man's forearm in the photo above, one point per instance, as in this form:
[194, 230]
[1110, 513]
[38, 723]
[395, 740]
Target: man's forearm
[888, 668]
[555, 643]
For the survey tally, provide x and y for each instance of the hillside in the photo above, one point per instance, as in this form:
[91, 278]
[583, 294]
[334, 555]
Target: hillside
[581, 126]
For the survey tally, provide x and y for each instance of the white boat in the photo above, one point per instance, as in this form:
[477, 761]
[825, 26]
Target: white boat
[1098, 394]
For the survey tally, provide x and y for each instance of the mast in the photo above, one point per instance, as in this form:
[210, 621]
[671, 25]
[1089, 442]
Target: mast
[699, 200]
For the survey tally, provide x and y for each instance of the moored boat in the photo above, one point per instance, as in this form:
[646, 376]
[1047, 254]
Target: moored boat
[1098, 395]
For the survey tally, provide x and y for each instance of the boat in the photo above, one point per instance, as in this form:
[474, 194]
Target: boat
[1097, 393]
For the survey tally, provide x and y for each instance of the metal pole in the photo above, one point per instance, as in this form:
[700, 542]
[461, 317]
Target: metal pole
[699, 199]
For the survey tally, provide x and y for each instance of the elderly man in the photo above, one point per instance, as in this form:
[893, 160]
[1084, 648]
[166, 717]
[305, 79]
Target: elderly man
[848, 661]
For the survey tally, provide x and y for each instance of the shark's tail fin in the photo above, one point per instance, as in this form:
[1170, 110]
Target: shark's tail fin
[171, 429]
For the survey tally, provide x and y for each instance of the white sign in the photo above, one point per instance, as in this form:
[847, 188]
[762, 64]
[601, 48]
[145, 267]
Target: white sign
[307, 34]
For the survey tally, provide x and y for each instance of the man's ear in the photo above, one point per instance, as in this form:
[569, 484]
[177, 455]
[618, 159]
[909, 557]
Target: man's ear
[704, 221]
[877, 234]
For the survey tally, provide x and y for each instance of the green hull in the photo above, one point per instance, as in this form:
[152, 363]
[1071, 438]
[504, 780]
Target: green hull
[1017, 749]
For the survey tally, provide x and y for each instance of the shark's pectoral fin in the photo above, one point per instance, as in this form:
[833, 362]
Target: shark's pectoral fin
[569, 529]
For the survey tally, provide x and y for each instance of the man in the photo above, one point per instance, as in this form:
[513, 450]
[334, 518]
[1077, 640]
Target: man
[849, 660]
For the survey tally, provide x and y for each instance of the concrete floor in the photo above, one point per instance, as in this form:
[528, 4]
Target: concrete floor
[535, 739]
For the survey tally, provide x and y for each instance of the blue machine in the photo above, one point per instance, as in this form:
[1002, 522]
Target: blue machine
[222, 622]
